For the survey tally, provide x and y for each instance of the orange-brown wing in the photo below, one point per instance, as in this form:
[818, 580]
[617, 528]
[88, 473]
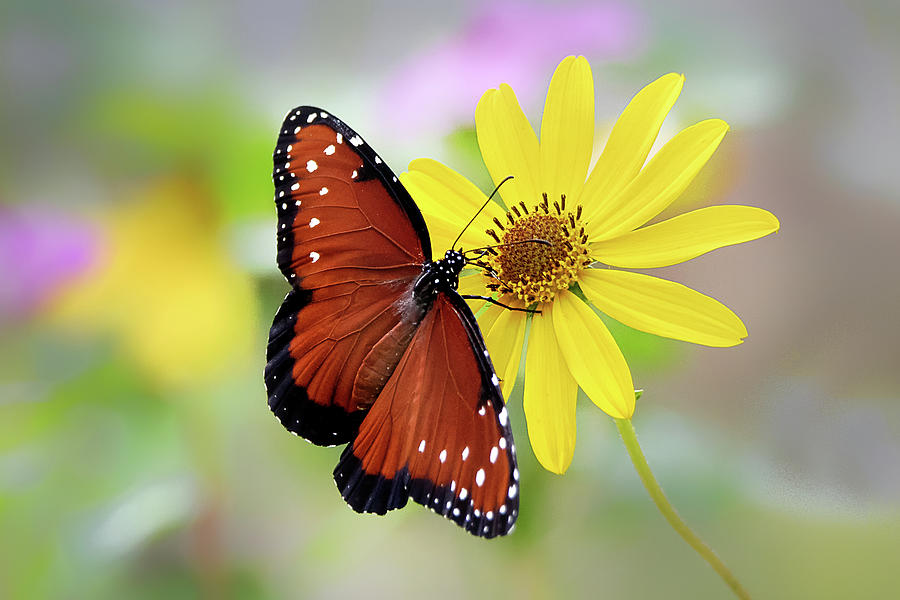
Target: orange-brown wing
[438, 432]
[351, 243]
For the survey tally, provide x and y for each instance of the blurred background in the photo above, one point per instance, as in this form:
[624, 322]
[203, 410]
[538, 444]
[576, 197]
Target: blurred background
[138, 282]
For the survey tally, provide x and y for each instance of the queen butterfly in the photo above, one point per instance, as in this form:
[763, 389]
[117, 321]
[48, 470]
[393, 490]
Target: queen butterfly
[373, 346]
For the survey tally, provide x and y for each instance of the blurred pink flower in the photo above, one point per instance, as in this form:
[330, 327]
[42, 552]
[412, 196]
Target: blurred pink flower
[506, 42]
[41, 250]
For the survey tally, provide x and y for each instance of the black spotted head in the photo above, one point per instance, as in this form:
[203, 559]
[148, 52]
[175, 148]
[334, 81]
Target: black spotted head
[440, 275]
[453, 263]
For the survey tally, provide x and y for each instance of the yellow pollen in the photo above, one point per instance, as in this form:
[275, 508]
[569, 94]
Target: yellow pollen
[533, 271]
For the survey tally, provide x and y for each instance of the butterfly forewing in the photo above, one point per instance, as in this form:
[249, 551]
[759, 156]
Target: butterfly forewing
[438, 432]
[351, 242]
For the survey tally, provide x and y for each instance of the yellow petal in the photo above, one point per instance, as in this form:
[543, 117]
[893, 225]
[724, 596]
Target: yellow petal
[504, 341]
[487, 318]
[630, 141]
[448, 201]
[662, 307]
[472, 283]
[592, 356]
[685, 237]
[441, 228]
[567, 129]
[508, 145]
[550, 393]
[663, 179]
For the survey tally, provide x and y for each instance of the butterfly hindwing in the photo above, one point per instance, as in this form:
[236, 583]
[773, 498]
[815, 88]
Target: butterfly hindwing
[351, 243]
[438, 432]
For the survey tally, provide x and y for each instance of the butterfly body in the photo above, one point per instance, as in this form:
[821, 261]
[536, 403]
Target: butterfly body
[373, 346]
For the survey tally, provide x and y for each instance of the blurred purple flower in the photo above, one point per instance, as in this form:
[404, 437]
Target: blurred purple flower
[506, 42]
[40, 251]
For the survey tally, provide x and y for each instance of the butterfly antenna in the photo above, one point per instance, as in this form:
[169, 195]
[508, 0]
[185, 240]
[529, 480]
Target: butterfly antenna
[492, 273]
[484, 249]
[475, 216]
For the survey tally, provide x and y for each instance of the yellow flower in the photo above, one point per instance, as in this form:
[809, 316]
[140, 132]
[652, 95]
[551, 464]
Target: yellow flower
[595, 225]
[168, 291]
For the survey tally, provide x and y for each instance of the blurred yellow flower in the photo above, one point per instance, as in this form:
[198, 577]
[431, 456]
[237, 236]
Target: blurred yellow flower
[167, 289]
[593, 222]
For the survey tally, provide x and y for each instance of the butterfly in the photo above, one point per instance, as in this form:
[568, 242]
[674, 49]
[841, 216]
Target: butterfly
[373, 347]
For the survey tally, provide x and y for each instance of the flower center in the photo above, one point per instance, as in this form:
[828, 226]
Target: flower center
[534, 271]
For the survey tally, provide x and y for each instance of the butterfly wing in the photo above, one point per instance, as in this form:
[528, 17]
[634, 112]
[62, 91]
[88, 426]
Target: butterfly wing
[351, 243]
[439, 431]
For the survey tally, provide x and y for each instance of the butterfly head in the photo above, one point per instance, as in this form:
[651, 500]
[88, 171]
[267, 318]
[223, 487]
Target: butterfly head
[440, 275]
[454, 261]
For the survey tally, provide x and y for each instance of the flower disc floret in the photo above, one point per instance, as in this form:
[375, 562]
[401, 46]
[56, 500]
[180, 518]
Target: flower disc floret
[543, 251]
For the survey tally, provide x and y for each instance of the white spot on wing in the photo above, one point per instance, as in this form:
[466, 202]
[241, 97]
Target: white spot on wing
[495, 380]
[313, 222]
[479, 478]
[513, 490]
[422, 446]
[296, 130]
[340, 138]
[377, 160]
[329, 150]
[494, 453]
[314, 256]
[354, 174]
[311, 118]
[502, 416]
[311, 166]
[463, 493]
[502, 443]
[465, 453]
[295, 187]
[323, 191]
[443, 456]
[356, 140]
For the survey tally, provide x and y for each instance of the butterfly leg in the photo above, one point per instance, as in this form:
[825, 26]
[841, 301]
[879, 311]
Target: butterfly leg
[492, 301]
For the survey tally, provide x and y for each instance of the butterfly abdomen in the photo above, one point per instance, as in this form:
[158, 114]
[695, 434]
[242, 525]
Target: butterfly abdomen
[382, 359]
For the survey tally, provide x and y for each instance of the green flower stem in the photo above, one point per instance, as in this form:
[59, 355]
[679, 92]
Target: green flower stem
[626, 430]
